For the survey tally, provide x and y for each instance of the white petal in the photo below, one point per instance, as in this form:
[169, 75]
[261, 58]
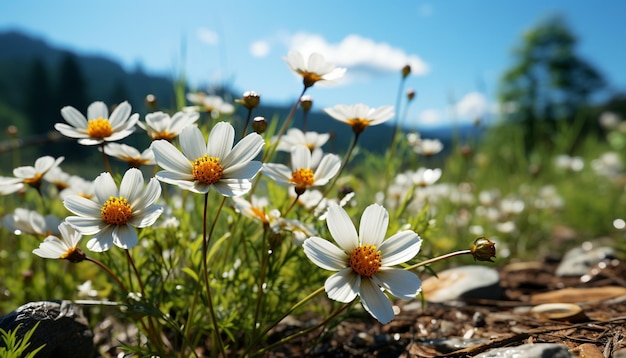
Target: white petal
[86, 226]
[82, 206]
[51, 248]
[327, 169]
[233, 187]
[221, 140]
[400, 248]
[246, 150]
[341, 228]
[151, 194]
[97, 110]
[101, 242]
[105, 187]
[277, 172]
[324, 254]
[375, 302]
[170, 158]
[300, 157]
[73, 117]
[343, 286]
[147, 216]
[70, 131]
[125, 236]
[192, 143]
[120, 115]
[247, 171]
[400, 283]
[132, 184]
[373, 226]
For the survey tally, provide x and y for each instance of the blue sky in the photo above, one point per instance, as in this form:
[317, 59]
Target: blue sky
[458, 48]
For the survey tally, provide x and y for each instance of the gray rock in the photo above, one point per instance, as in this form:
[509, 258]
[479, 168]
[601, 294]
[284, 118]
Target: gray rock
[463, 282]
[579, 260]
[62, 328]
[539, 350]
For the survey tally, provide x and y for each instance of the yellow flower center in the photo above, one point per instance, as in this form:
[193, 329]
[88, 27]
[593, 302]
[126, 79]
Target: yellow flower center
[99, 128]
[163, 135]
[309, 78]
[365, 260]
[207, 170]
[35, 181]
[303, 178]
[358, 124]
[116, 211]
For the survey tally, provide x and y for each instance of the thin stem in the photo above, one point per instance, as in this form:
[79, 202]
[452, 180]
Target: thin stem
[245, 127]
[268, 155]
[105, 159]
[439, 258]
[205, 269]
[305, 331]
[329, 187]
[293, 203]
[264, 263]
[107, 270]
[192, 308]
[276, 322]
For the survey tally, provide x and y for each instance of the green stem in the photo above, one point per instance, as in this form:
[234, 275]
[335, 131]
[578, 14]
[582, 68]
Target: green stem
[276, 322]
[341, 169]
[105, 159]
[264, 263]
[268, 155]
[107, 270]
[439, 258]
[205, 269]
[305, 331]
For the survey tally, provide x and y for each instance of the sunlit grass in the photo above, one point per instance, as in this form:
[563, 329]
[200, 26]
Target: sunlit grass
[257, 272]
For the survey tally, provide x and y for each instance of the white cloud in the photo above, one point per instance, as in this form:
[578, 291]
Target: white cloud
[355, 51]
[208, 36]
[430, 117]
[259, 48]
[472, 106]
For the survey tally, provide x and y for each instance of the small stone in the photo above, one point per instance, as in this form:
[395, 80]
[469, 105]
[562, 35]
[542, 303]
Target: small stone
[465, 282]
[538, 350]
[62, 328]
[578, 261]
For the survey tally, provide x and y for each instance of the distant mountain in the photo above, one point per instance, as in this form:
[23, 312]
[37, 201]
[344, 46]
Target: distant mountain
[104, 77]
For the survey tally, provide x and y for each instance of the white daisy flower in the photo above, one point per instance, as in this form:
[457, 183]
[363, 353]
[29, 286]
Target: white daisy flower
[425, 177]
[160, 125]
[24, 221]
[65, 246]
[130, 155]
[78, 186]
[214, 105]
[295, 136]
[113, 214]
[360, 116]
[428, 147]
[303, 174]
[98, 127]
[314, 68]
[29, 175]
[364, 261]
[216, 164]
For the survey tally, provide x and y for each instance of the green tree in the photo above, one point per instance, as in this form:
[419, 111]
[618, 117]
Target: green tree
[38, 102]
[71, 87]
[549, 83]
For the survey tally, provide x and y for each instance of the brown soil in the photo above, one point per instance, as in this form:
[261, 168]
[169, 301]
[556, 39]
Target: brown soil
[480, 325]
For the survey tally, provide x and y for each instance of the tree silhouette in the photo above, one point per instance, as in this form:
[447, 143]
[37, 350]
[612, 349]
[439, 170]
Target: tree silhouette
[549, 82]
[72, 87]
[38, 100]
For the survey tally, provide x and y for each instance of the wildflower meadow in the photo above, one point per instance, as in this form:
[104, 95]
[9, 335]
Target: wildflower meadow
[202, 243]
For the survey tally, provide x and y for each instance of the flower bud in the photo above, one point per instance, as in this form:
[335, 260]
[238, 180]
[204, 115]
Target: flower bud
[406, 71]
[483, 249]
[306, 102]
[12, 131]
[151, 101]
[410, 94]
[250, 99]
[259, 124]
